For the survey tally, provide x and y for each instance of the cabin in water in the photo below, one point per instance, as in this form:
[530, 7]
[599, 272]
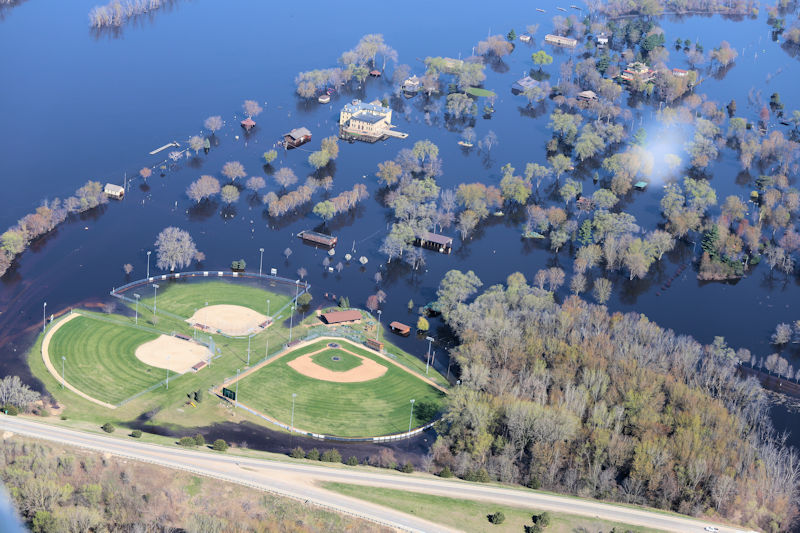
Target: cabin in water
[433, 241]
[296, 137]
[319, 239]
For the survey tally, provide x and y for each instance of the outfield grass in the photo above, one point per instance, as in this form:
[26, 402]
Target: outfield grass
[184, 298]
[469, 515]
[377, 407]
[101, 360]
[346, 360]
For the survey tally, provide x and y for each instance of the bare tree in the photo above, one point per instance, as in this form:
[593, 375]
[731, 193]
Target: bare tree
[174, 249]
[287, 252]
[255, 183]
[233, 170]
[214, 124]
[285, 177]
[230, 194]
[127, 268]
[202, 188]
[251, 108]
[302, 272]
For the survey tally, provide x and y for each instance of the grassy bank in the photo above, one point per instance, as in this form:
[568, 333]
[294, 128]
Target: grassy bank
[470, 515]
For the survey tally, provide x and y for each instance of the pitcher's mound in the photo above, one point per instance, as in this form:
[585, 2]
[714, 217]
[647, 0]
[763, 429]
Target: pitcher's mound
[173, 353]
[233, 320]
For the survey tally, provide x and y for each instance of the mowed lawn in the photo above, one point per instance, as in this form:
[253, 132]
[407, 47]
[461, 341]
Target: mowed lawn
[377, 407]
[101, 360]
[184, 298]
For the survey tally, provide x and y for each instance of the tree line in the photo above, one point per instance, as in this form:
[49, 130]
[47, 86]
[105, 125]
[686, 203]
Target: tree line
[571, 398]
[16, 239]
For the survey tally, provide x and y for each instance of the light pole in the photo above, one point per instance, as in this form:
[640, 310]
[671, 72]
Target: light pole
[155, 298]
[137, 296]
[378, 327]
[167, 372]
[44, 317]
[430, 340]
[248, 349]
[291, 321]
[236, 401]
[268, 308]
[63, 375]
[148, 263]
[266, 350]
[410, 418]
[260, 261]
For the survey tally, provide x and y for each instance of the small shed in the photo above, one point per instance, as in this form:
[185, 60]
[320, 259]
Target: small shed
[587, 96]
[114, 191]
[341, 317]
[679, 72]
[248, 124]
[602, 39]
[640, 185]
[525, 38]
[324, 98]
[199, 366]
[375, 73]
[523, 84]
[559, 40]
[411, 85]
[400, 328]
[434, 241]
[320, 239]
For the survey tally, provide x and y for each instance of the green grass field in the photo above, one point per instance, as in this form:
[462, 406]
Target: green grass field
[184, 298]
[377, 407]
[346, 360]
[469, 515]
[101, 360]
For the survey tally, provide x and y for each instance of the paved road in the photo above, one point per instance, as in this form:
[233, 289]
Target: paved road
[297, 480]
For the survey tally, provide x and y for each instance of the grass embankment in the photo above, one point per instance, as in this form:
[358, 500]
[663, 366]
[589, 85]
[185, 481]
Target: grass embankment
[377, 407]
[469, 515]
[101, 360]
[184, 299]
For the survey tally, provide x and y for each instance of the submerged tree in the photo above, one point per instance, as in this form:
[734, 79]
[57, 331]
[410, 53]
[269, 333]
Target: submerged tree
[213, 124]
[174, 249]
[202, 188]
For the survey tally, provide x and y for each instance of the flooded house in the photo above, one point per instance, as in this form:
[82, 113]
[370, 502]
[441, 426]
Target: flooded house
[368, 122]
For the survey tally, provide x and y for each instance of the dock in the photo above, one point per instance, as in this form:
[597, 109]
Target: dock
[395, 134]
[169, 145]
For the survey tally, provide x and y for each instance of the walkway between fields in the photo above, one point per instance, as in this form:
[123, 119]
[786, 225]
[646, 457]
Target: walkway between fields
[49, 364]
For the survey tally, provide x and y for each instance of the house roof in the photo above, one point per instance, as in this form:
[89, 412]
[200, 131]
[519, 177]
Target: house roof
[297, 133]
[336, 317]
[589, 95]
[435, 237]
[399, 326]
[357, 105]
[365, 116]
[113, 189]
[525, 83]
[248, 123]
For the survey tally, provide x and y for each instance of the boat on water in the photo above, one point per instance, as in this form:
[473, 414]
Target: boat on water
[541, 10]
[573, 6]
[324, 98]
[561, 9]
[465, 144]
[533, 235]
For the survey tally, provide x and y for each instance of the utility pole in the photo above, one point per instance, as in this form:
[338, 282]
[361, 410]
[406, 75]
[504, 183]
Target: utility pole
[248, 349]
[148, 263]
[378, 327]
[44, 317]
[137, 296]
[236, 402]
[260, 261]
[410, 418]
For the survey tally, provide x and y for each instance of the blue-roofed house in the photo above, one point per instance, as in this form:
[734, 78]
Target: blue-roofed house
[367, 122]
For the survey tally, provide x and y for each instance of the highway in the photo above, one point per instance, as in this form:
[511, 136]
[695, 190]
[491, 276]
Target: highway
[299, 481]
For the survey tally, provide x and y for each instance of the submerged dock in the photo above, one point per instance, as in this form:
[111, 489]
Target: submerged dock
[169, 145]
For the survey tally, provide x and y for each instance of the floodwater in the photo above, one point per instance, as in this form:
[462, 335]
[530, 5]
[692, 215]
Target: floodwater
[79, 104]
